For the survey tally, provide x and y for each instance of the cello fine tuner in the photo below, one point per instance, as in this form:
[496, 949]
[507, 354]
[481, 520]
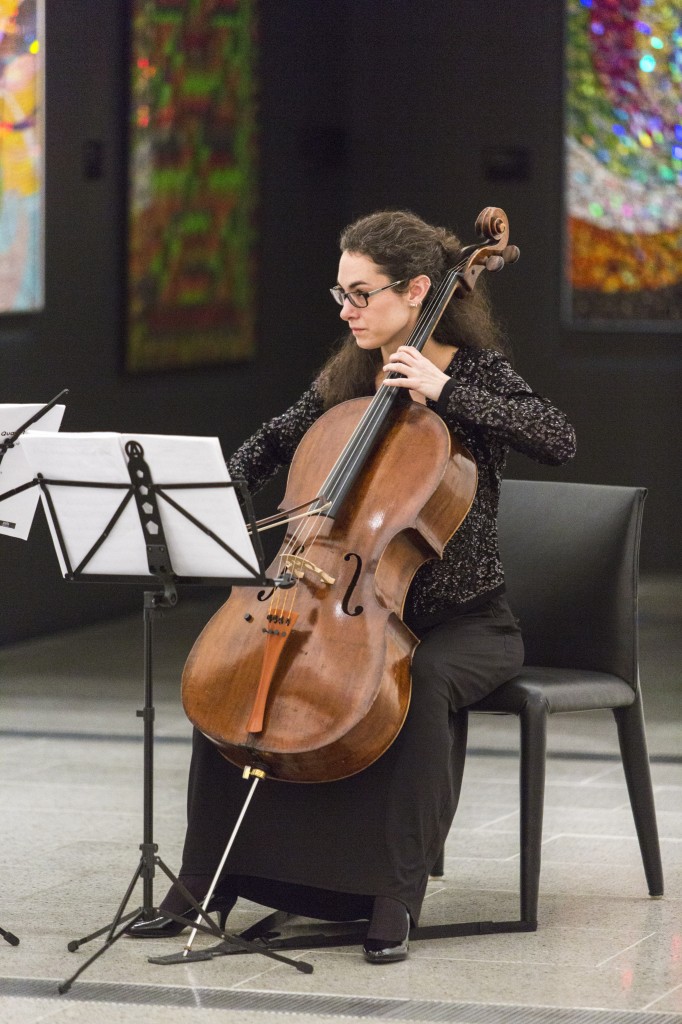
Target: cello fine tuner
[296, 564]
[285, 581]
[279, 619]
[274, 621]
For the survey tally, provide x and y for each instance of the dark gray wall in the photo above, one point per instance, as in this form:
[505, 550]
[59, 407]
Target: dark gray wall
[363, 105]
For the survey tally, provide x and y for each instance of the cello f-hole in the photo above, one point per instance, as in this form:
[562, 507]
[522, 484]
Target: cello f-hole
[353, 583]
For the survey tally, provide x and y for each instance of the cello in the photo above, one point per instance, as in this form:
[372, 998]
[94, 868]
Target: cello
[310, 681]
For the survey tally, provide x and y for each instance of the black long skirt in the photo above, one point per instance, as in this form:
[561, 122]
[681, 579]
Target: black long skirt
[326, 850]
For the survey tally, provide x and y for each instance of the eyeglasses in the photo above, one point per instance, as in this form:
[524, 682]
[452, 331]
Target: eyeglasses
[358, 299]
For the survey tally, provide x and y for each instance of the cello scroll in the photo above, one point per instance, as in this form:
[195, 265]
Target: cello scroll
[492, 253]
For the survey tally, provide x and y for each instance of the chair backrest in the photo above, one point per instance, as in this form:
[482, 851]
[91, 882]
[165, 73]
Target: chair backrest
[571, 558]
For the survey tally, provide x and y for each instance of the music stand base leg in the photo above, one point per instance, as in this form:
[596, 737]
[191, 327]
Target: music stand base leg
[119, 916]
[9, 937]
[66, 985]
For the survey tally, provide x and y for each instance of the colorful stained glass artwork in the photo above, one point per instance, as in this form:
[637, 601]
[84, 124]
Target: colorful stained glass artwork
[623, 158]
[21, 156]
[192, 184]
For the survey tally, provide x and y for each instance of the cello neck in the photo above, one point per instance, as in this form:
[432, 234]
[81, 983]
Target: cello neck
[352, 459]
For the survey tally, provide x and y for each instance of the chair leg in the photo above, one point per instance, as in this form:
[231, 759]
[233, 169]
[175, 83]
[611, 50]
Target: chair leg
[635, 757]
[533, 725]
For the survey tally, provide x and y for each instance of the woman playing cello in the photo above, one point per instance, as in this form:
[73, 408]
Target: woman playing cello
[362, 847]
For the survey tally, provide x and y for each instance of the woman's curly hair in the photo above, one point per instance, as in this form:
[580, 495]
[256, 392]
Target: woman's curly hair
[404, 246]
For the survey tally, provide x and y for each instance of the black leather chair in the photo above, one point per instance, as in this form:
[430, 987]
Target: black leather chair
[571, 558]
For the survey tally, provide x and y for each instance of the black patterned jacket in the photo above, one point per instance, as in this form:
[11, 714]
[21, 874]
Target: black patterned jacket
[490, 409]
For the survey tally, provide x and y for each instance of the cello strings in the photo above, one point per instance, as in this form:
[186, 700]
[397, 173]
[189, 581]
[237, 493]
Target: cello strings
[297, 541]
[283, 516]
[383, 398]
[352, 452]
[312, 520]
[283, 519]
[353, 448]
[301, 537]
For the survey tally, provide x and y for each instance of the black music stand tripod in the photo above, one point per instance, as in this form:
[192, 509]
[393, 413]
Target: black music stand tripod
[160, 592]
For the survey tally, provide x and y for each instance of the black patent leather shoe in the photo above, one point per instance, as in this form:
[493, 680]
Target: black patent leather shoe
[379, 951]
[164, 927]
[391, 953]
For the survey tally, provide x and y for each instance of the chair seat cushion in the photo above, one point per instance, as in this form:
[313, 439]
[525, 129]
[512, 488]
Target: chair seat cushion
[560, 689]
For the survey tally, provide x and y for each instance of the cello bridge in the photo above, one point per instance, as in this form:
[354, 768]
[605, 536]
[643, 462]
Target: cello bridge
[298, 565]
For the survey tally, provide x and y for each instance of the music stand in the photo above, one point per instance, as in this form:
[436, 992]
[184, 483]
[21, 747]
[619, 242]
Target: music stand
[5, 447]
[17, 471]
[116, 463]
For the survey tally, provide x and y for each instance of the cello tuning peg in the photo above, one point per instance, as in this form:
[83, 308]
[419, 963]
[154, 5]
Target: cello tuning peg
[494, 262]
[511, 254]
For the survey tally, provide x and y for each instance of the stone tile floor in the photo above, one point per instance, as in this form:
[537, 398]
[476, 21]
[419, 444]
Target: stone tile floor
[71, 812]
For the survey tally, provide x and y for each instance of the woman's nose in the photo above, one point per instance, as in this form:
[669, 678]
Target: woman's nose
[347, 309]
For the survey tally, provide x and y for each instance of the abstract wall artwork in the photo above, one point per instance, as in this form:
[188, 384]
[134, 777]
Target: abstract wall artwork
[21, 155]
[192, 184]
[623, 164]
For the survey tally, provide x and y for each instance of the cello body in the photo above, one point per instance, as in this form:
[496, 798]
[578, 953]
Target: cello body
[337, 684]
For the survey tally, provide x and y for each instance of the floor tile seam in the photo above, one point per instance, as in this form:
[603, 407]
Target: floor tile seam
[442, 958]
[620, 952]
[571, 755]
[548, 835]
[603, 774]
[485, 827]
[555, 787]
[609, 836]
[626, 807]
[87, 737]
[498, 890]
[480, 829]
[664, 995]
[558, 929]
[586, 967]
[455, 859]
[435, 892]
[618, 785]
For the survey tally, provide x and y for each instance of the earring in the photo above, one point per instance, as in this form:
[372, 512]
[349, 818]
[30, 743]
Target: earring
[414, 304]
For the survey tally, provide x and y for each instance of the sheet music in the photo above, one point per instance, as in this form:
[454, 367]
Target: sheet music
[16, 513]
[84, 511]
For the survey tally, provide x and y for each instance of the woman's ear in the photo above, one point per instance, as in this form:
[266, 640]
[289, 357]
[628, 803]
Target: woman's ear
[418, 289]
